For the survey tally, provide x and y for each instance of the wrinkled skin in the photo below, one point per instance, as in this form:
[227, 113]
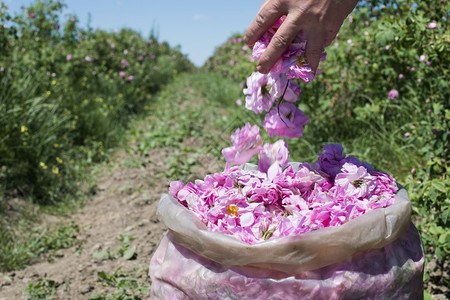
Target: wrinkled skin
[318, 20]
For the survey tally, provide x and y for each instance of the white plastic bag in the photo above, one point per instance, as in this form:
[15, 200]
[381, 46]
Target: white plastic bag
[375, 256]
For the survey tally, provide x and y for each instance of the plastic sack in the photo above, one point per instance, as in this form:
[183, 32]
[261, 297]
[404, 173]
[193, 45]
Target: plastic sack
[375, 256]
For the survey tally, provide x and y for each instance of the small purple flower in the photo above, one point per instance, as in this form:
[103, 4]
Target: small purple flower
[422, 58]
[393, 94]
[124, 63]
[400, 76]
[32, 15]
[238, 102]
[432, 25]
[69, 57]
[130, 78]
[122, 74]
[88, 59]
[407, 134]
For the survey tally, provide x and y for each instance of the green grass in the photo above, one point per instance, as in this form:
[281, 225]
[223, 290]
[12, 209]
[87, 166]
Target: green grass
[19, 248]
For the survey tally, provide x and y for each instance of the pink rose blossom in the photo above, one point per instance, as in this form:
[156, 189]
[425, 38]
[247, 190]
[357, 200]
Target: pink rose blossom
[175, 187]
[273, 157]
[393, 94]
[262, 91]
[292, 92]
[246, 142]
[251, 207]
[292, 62]
[354, 181]
[285, 120]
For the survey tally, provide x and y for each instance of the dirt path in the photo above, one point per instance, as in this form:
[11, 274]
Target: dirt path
[118, 227]
[125, 204]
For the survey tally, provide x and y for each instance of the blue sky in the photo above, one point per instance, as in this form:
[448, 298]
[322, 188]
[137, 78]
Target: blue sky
[198, 26]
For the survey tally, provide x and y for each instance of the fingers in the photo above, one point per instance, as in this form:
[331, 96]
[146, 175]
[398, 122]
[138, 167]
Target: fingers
[279, 43]
[267, 15]
[314, 47]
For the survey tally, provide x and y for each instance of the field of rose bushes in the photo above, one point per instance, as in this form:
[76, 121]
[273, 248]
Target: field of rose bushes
[68, 93]
[383, 94]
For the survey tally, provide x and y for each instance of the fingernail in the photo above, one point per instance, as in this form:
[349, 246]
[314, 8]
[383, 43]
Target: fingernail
[261, 69]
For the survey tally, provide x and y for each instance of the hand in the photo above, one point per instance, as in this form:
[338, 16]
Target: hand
[319, 20]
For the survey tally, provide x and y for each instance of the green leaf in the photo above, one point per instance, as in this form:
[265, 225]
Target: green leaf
[385, 36]
[439, 185]
[101, 254]
[129, 254]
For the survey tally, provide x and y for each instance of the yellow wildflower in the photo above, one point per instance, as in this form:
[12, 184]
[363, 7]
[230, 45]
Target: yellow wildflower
[23, 129]
[42, 165]
[59, 160]
[55, 170]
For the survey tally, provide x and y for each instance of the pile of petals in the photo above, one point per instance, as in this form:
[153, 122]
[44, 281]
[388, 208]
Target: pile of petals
[263, 90]
[253, 206]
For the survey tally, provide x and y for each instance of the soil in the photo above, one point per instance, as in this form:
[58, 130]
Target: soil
[125, 202]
